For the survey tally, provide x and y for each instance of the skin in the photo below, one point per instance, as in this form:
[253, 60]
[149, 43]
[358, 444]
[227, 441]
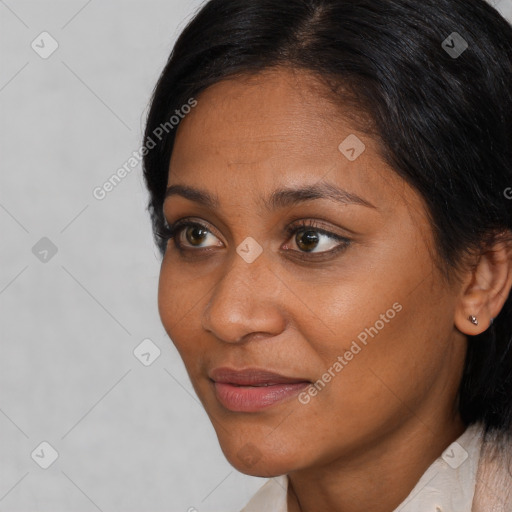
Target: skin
[363, 441]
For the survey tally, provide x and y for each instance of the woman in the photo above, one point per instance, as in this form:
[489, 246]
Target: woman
[330, 191]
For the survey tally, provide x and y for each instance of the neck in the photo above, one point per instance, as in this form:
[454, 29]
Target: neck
[378, 478]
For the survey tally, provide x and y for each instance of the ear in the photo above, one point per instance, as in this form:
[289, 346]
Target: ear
[485, 288]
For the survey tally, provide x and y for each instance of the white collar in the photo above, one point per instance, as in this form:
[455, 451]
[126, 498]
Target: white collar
[448, 485]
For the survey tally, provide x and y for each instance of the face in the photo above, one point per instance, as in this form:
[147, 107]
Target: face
[334, 288]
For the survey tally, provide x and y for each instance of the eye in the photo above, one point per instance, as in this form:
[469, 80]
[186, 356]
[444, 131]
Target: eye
[309, 238]
[187, 234]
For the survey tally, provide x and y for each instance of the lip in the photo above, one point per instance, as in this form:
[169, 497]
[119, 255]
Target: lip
[253, 389]
[251, 377]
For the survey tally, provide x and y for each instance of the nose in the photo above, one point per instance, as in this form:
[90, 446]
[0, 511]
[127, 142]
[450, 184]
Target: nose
[247, 299]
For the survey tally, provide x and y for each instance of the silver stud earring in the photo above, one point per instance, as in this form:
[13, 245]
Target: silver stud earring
[473, 319]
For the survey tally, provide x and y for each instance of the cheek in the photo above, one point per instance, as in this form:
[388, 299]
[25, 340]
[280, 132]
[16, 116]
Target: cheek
[380, 356]
[176, 301]
[375, 344]
[169, 305]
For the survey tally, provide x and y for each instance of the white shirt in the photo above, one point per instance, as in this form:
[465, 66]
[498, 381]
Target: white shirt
[448, 485]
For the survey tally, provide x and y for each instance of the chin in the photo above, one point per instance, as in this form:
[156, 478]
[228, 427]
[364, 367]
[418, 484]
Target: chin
[258, 461]
[261, 469]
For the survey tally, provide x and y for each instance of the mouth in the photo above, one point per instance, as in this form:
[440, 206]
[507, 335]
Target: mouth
[253, 389]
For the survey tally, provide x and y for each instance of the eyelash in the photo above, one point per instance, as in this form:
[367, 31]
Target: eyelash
[172, 232]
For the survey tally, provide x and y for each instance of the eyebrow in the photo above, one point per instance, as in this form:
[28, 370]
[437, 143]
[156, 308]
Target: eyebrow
[280, 198]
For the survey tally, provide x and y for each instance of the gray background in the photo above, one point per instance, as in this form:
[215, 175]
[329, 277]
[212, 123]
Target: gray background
[129, 437]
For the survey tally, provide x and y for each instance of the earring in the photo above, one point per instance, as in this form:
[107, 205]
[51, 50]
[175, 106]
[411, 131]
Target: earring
[473, 319]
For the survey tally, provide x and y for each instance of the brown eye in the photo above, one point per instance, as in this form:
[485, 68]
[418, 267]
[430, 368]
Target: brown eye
[310, 239]
[195, 235]
[307, 240]
[192, 235]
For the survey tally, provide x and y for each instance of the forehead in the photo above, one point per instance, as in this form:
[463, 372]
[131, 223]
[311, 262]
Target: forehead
[279, 109]
[277, 128]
